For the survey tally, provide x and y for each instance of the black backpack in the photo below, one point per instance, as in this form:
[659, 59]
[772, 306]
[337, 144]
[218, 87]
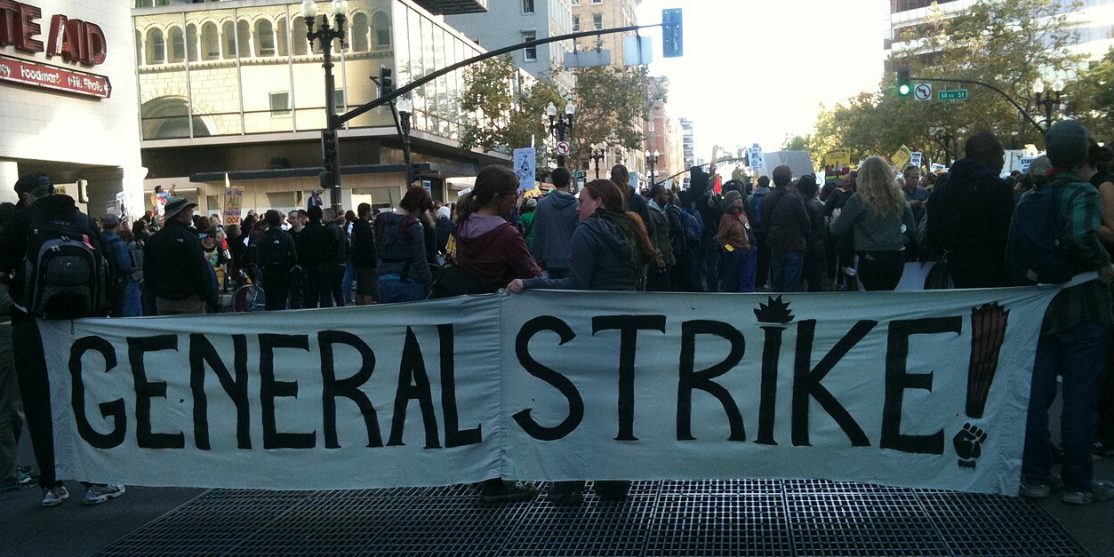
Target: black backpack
[275, 250]
[1036, 251]
[65, 275]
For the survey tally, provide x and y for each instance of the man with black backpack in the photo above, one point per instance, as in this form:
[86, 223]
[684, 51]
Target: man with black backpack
[48, 231]
[276, 256]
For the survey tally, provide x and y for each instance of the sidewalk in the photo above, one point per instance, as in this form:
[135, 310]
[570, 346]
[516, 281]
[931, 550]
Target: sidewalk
[735, 517]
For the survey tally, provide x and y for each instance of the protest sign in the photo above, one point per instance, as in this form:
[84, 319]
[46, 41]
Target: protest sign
[556, 386]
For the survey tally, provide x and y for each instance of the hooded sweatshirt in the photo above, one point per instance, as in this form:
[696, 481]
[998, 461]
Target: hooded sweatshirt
[600, 260]
[969, 215]
[555, 221]
[493, 250]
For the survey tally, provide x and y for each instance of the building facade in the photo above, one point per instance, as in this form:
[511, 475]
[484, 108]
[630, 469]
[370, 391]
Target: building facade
[688, 147]
[231, 93]
[68, 99]
[1092, 20]
[604, 14]
[507, 22]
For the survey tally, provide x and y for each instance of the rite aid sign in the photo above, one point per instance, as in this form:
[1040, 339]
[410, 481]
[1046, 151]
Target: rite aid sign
[73, 40]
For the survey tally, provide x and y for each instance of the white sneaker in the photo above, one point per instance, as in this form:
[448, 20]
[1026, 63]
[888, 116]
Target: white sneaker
[97, 494]
[54, 497]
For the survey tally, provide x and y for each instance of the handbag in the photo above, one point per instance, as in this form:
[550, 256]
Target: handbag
[939, 277]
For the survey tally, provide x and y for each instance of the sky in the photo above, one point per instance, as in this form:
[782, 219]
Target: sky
[759, 70]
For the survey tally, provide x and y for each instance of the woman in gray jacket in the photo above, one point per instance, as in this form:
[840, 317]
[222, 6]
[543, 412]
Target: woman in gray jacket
[609, 249]
[881, 223]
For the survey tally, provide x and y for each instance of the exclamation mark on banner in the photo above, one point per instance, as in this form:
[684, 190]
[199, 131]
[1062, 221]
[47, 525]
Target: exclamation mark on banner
[988, 332]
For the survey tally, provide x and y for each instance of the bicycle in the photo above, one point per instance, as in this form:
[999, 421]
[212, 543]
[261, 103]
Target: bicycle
[248, 296]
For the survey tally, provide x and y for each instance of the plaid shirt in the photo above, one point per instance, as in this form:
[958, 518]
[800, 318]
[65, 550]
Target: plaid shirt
[1081, 210]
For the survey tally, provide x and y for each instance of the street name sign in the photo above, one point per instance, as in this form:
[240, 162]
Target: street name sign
[953, 95]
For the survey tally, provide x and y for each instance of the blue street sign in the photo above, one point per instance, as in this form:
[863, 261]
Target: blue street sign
[672, 39]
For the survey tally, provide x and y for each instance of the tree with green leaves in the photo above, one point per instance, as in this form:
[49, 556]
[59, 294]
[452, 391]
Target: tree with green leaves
[1091, 98]
[1005, 44]
[508, 111]
[611, 106]
[612, 103]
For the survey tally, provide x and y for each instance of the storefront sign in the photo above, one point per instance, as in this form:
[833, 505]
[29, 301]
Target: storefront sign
[73, 39]
[52, 77]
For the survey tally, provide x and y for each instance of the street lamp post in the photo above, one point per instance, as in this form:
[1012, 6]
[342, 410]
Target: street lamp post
[651, 161]
[597, 156]
[404, 107]
[560, 125]
[1048, 101]
[330, 179]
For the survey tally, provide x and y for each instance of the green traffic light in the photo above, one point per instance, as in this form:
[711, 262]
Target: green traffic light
[904, 89]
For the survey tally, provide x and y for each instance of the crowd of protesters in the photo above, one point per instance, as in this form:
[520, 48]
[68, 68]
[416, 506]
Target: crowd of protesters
[784, 233]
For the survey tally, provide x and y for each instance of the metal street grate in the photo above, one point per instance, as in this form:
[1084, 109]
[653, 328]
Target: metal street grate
[760, 517]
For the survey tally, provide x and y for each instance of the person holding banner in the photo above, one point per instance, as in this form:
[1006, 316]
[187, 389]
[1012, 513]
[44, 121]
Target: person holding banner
[880, 221]
[1075, 334]
[490, 250]
[610, 247]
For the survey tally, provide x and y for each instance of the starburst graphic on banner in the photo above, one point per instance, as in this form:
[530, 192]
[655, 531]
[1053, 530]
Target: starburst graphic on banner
[774, 311]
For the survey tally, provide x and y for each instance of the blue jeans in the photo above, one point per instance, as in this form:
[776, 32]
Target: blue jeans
[786, 268]
[738, 270]
[391, 291]
[1079, 355]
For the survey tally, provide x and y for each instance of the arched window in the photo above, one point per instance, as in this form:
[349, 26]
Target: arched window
[283, 40]
[381, 30]
[156, 48]
[228, 39]
[177, 45]
[299, 37]
[191, 42]
[360, 31]
[264, 38]
[210, 41]
[243, 38]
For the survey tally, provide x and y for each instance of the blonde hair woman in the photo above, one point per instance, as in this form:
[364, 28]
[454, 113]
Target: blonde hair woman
[881, 223]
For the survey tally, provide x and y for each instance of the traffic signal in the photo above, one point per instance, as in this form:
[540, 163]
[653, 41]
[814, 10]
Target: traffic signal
[672, 39]
[328, 146]
[904, 83]
[386, 81]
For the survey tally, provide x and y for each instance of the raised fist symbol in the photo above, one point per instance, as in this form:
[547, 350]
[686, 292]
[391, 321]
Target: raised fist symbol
[968, 444]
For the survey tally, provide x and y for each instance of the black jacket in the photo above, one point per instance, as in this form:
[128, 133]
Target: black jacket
[969, 215]
[316, 245]
[363, 245]
[173, 265]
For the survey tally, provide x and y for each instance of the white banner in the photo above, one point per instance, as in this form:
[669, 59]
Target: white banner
[920, 389]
